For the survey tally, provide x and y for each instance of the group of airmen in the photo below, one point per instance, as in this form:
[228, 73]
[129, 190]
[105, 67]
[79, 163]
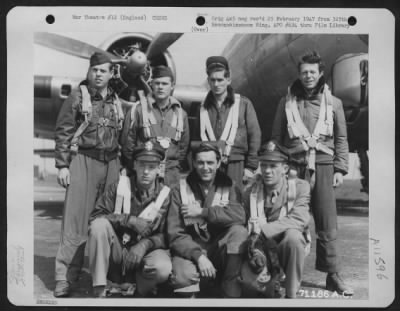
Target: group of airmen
[236, 225]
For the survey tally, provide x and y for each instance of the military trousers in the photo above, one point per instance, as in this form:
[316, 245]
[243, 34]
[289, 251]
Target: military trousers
[225, 254]
[88, 179]
[106, 261]
[323, 208]
[291, 253]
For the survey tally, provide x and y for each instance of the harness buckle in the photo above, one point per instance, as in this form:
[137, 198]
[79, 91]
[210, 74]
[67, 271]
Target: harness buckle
[104, 121]
[311, 142]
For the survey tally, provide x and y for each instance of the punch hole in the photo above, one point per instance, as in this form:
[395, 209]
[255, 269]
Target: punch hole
[200, 20]
[352, 20]
[50, 19]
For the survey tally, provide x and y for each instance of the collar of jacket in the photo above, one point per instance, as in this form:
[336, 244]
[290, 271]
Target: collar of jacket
[221, 180]
[298, 90]
[229, 100]
[171, 102]
[136, 191]
[95, 94]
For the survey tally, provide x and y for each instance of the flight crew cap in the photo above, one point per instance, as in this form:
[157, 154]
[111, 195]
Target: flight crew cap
[162, 71]
[216, 62]
[99, 58]
[148, 152]
[272, 152]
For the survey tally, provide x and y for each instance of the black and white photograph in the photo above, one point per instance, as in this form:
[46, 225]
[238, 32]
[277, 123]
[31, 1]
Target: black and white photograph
[228, 167]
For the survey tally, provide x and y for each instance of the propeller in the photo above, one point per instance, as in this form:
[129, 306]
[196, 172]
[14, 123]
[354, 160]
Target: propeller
[160, 43]
[69, 46]
[134, 62]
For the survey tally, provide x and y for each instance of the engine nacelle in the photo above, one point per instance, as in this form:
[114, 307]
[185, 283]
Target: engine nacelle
[350, 80]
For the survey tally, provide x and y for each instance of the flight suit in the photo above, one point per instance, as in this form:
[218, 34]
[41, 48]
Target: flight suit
[323, 203]
[288, 231]
[133, 134]
[248, 137]
[223, 246]
[107, 253]
[92, 169]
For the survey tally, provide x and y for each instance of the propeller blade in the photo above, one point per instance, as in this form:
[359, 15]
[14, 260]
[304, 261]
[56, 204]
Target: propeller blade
[160, 43]
[70, 46]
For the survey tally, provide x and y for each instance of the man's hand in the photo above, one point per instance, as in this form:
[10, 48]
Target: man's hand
[136, 254]
[191, 210]
[206, 267]
[141, 226]
[64, 177]
[337, 179]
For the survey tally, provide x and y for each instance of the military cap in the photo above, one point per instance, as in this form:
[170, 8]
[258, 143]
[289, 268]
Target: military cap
[216, 62]
[272, 151]
[99, 58]
[149, 152]
[162, 71]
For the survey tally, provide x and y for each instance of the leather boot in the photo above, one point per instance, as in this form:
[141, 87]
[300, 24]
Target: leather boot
[335, 283]
[231, 287]
[63, 289]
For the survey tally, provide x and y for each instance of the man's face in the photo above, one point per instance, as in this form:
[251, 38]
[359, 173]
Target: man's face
[273, 172]
[162, 87]
[206, 165]
[309, 75]
[146, 172]
[218, 82]
[99, 75]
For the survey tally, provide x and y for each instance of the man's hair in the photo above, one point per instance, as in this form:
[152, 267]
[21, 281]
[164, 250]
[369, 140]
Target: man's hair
[205, 147]
[311, 57]
[215, 67]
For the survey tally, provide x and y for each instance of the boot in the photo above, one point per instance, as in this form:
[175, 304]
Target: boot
[335, 283]
[63, 289]
[231, 287]
[100, 291]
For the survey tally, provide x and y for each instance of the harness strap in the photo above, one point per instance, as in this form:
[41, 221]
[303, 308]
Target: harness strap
[324, 126]
[145, 114]
[123, 200]
[87, 112]
[256, 208]
[151, 211]
[179, 125]
[234, 126]
[206, 131]
[199, 224]
[221, 198]
[133, 111]
[118, 111]
[230, 129]
[150, 120]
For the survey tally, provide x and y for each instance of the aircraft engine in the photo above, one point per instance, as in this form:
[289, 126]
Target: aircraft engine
[350, 84]
[136, 52]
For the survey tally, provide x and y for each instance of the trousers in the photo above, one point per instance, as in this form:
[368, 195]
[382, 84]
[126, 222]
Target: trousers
[323, 208]
[88, 179]
[291, 253]
[105, 260]
[224, 253]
